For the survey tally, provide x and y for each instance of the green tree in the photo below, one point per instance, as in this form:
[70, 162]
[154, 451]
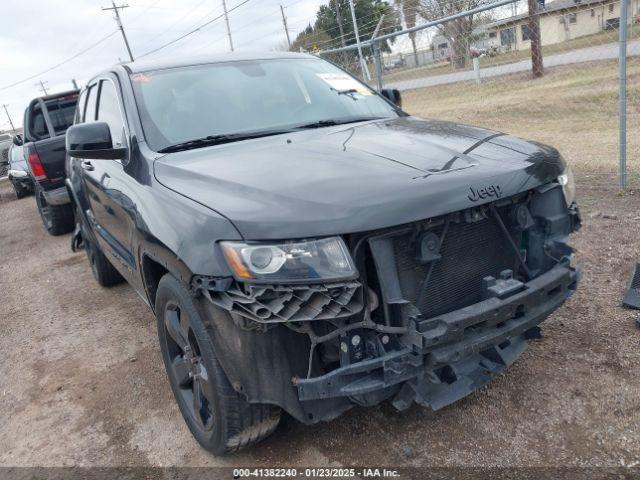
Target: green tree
[335, 19]
[333, 26]
[310, 39]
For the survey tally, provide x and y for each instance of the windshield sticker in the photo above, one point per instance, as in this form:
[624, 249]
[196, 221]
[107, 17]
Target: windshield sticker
[141, 78]
[342, 82]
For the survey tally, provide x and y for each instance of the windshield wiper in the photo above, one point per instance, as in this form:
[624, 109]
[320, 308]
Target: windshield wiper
[333, 122]
[348, 91]
[218, 139]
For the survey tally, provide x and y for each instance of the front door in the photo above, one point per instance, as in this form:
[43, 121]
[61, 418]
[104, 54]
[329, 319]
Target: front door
[108, 187]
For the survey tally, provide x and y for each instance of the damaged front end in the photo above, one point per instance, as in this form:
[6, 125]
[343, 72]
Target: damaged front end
[436, 309]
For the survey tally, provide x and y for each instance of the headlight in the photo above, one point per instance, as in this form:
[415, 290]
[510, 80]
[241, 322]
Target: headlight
[324, 259]
[568, 185]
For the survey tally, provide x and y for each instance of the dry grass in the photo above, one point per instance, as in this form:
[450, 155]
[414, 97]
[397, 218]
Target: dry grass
[610, 36]
[574, 108]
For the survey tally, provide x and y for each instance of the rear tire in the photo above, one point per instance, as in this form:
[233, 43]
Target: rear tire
[219, 418]
[57, 219]
[103, 271]
[21, 191]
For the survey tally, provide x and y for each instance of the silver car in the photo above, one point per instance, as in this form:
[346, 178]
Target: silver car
[5, 143]
[18, 171]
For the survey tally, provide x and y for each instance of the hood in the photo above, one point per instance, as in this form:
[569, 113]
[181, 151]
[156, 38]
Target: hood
[356, 177]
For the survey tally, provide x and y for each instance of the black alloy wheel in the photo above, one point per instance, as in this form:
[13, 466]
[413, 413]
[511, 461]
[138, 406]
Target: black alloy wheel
[220, 418]
[187, 367]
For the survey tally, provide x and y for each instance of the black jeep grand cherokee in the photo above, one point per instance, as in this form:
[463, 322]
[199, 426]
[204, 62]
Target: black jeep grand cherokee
[308, 246]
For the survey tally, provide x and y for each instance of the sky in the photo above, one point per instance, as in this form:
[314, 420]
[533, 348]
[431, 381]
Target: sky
[39, 34]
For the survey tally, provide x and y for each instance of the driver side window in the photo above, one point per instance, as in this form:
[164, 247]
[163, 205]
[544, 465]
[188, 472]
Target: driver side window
[109, 112]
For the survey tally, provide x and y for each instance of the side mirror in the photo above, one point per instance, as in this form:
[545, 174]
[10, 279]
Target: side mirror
[393, 95]
[92, 140]
[17, 140]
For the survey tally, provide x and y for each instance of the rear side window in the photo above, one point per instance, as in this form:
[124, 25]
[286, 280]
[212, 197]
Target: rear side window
[90, 111]
[109, 112]
[37, 124]
[82, 101]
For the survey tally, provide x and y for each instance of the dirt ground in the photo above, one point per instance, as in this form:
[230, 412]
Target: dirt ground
[82, 381]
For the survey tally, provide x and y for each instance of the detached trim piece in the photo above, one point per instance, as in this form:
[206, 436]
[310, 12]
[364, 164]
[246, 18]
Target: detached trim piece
[284, 303]
[632, 297]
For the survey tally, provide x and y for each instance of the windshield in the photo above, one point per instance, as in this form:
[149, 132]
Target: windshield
[182, 104]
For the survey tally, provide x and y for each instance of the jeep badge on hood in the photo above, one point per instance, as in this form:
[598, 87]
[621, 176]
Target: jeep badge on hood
[485, 192]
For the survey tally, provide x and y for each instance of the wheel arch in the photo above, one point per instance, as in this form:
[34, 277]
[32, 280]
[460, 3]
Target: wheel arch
[154, 264]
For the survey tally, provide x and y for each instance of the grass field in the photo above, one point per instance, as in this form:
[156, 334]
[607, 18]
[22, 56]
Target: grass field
[601, 38]
[574, 108]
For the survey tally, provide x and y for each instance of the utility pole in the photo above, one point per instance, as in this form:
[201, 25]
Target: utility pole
[363, 66]
[116, 10]
[377, 56]
[536, 44]
[42, 87]
[286, 30]
[343, 41]
[8, 116]
[226, 19]
[339, 21]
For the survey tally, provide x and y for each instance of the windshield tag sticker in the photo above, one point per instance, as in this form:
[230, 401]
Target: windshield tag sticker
[141, 78]
[342, 82]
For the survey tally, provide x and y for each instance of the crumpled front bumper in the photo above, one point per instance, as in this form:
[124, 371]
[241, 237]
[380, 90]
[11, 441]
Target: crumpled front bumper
[446, 358]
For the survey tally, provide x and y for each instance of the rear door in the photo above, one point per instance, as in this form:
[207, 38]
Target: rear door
[107, 185]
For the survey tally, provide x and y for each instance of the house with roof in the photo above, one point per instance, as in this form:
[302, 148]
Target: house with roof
[560, 20]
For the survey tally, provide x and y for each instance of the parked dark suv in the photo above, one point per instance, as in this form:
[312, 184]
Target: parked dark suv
[306, 245]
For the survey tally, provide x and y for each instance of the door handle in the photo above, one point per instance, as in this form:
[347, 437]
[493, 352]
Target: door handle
[87, 165]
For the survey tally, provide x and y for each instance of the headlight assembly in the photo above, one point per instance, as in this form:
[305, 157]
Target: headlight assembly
[568, 185]
[320, 260]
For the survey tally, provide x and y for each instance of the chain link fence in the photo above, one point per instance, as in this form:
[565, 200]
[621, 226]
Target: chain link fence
[476, 67]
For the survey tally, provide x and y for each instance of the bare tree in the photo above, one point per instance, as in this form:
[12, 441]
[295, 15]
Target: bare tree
[458, 32]
[409, 9]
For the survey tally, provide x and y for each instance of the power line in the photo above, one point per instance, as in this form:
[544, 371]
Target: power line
[191, 32]
[243, 27]
[117, 9]
[73, 57]
[349, 36]
[178, 20]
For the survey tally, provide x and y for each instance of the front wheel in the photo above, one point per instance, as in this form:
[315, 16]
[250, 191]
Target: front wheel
[220, 419]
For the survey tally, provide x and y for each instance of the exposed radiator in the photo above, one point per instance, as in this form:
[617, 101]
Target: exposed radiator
[470, 252]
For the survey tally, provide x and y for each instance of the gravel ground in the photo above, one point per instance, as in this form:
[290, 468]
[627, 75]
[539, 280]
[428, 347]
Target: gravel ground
[82, 381]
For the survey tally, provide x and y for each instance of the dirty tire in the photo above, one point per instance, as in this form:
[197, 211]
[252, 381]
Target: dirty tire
[225, 421]
[104, 273]
[21, 191]
[57, 219]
